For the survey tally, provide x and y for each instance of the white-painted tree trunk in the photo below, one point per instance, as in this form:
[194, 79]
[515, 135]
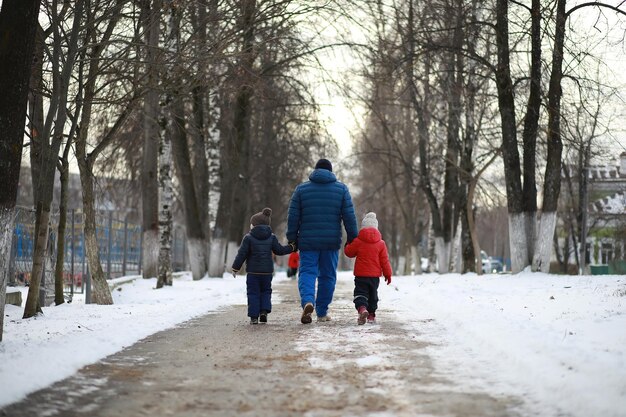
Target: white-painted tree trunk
[456, 256]
[543, 245]
[231, 252]
[402, 267]
[7, 218]
[531, 220]
[417, 260]
[197, 260]
[442, 250]
[216, 260]
[150, 254]
[518, 242]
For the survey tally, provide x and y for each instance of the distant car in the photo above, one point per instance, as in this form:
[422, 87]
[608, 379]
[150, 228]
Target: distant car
[490, 265]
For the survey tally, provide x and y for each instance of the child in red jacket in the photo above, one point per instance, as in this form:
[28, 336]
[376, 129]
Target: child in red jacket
[372, 261]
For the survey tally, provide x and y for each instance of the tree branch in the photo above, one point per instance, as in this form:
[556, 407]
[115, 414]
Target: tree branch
[119, 123]
[598, 4]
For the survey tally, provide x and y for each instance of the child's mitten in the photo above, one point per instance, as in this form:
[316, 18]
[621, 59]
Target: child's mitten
[388, 280]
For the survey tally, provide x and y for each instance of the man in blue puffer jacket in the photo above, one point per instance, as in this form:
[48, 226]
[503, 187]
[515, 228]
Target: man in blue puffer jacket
[316, 210]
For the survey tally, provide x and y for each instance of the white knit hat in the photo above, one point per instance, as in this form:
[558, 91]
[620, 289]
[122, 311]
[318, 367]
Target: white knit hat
[369, 221]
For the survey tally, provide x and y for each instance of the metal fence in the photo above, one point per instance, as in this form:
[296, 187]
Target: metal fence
[119, 244]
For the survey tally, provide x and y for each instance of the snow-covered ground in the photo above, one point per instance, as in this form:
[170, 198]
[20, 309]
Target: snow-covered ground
[37, 352]
[559, 343]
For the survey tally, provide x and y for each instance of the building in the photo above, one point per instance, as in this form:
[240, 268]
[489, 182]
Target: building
[605, 215]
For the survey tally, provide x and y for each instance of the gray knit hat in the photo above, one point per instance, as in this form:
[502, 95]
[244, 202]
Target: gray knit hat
[369, 221]
[262, 218]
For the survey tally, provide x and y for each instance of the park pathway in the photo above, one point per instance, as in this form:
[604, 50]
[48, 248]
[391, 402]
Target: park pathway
[219, 365]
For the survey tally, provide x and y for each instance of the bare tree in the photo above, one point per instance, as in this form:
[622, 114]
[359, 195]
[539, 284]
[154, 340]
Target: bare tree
[49, 141]
[18, 21]
[86, 160]
[587, 117]
[168, 123]
[151, 14]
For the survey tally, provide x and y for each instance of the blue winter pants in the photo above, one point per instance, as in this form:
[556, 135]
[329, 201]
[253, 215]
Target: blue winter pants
[259, 288]
[320, 266]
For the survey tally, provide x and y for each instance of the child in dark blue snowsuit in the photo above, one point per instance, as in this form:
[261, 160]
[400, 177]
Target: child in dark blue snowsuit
[256, 250]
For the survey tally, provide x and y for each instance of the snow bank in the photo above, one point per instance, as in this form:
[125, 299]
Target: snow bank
[557, 342]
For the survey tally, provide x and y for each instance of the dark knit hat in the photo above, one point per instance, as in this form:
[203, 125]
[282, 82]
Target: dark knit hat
[262, 218]
[324, 164]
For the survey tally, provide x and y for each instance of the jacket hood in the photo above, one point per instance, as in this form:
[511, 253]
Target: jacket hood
[261, 232]
[370, 234]
[322, 176]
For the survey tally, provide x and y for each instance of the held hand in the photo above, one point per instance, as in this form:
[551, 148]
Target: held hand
[234, 272]
[294, 246]
[388, 280]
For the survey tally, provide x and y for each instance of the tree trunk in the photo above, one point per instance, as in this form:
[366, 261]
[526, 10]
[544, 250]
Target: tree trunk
[201, 166]
[552, 178]
[7, 222]
[18, 21]
[470, 247]
[241, 111]
[166, 198]
[449, 206]
[423, 129]
[443, 252]
[471, 226]
[42, 219]
[506, 104]
[149, 173]
[44, 187]
[60, 261]
[194, 227]
[100, 292]
[175, 113]
[199, 126]
[531, 128]
[581, 211]
[36, 111]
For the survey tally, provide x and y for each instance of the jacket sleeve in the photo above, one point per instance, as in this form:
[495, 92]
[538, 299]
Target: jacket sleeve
[384, 261]
[279, 249]
[293, 216]
[351, 249]
[242, 254]
[348, 216]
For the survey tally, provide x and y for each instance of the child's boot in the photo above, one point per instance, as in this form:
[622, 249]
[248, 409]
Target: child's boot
[371, 318]
[254, 320]
[263, 316]
[362, 315]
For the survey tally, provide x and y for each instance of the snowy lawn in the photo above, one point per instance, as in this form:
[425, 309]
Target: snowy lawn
[37, 352]
[557, 342]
